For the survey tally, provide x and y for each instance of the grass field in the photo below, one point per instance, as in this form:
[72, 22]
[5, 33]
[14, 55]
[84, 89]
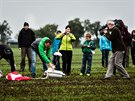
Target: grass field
[71, 88]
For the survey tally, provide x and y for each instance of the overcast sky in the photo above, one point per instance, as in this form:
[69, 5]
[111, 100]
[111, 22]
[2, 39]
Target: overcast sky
[41, 12]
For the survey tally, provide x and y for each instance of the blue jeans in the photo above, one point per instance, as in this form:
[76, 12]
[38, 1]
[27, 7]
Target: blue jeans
[56, 62]
[105, 54]
[87, 57]
[33, 64]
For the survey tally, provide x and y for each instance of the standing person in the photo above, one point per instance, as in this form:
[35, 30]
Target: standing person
[133, 48]
[43, 48]
[7, 54]
[105, 47]
[25, 38]
[87, 48]
[66, 49]
[55, 47]
[118, 49]
[126, 39]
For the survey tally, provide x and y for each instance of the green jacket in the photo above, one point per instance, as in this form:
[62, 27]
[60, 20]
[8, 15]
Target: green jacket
[88, 46]
[66, 41]
[44, 52]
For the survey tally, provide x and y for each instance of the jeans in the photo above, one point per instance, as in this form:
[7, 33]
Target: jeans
[87, 57]
[105, 54]
[33, 64]
[56, 62]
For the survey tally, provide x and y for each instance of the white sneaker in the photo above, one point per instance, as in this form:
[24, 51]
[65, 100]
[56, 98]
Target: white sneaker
[88, 74]
[81, 74]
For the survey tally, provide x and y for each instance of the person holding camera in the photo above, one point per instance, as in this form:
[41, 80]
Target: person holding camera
[118, 49]
[66, 49]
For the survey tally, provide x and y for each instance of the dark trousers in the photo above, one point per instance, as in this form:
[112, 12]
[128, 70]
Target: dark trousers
[105, 54]
[25, 51]
[11, 62]
[87, 57]
[126, 57]
[56, 62]
[66, 58]
[10, 59]
[133, 55]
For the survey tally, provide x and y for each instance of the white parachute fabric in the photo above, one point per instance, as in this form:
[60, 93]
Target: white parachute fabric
[54, 73]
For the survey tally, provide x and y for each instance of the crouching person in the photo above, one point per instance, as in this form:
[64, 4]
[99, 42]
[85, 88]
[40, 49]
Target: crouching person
[87, 49]
[7, 54]
[43, 48]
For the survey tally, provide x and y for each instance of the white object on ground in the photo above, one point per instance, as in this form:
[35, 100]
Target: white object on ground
[57, 54]
[53, 73]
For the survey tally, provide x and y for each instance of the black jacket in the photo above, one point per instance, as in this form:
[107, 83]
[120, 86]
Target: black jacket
[25, 38]
[115, 37]
[7, 54]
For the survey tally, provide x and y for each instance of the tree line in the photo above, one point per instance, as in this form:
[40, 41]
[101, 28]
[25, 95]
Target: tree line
[49, 30]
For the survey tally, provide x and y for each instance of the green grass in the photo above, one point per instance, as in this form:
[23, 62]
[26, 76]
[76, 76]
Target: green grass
[72, 88]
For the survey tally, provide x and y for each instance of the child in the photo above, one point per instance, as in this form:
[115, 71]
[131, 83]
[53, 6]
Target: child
[105, 47]
[55, 48]
[87, 48]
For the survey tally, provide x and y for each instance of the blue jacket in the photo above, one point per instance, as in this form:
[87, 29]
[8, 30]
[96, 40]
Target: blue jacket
[56, 45]
[104, 43]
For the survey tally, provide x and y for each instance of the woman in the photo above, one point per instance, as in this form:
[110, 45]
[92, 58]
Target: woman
[66, 49]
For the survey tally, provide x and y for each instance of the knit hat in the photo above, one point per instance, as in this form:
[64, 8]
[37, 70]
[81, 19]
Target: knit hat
[26, 24]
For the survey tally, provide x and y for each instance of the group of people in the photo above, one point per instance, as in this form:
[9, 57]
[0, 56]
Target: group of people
[30, 46]
[113, 38]
[116, 38]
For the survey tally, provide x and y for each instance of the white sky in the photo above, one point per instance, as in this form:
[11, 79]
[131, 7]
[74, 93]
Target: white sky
[41, 12]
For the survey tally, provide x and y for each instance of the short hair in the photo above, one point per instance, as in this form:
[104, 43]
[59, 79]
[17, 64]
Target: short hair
[58, 31]
[68, 27]
[26, 24]
[48, 41]
[88, 35]
[111, 22]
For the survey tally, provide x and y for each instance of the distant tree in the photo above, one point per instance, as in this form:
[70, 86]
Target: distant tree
[77, 29]
[5, 31]
[92, 27]
[47, 31]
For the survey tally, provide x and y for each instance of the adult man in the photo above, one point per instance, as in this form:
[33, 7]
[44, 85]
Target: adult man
[43, 48]
[118, 49]
[26, 37]
[7, 54]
